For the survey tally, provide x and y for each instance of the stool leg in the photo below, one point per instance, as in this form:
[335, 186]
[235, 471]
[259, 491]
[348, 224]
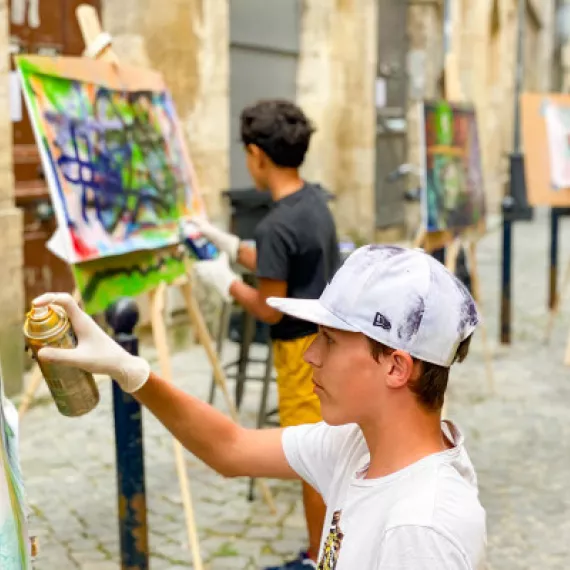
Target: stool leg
[248, 332]
[263, 403]
[221, 336]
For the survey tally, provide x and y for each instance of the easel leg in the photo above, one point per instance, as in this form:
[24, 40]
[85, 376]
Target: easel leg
[160, 340]
[28, 398]
[472, 258]
[197, 319]
[450, 262]
[222, 335]
[420, 238]
[451, 254]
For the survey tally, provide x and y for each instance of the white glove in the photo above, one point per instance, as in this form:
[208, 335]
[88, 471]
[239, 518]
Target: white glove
[224, 241]
[217, 272]
[96, 351]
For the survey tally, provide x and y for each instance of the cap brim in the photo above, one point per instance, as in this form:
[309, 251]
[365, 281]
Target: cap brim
[309, 310]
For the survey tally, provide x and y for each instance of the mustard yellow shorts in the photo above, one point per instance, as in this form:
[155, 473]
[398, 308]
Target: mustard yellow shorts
[298, 404]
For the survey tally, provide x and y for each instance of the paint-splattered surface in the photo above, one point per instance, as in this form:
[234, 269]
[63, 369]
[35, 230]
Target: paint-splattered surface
[118, 171]
[114, 160]
[453, 195]
[14, 544]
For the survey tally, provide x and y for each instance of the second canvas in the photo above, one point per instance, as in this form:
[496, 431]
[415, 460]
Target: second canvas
[453, 193]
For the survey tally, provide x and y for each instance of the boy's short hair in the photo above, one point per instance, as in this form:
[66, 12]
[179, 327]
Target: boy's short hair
[280, 129]
[430, 387]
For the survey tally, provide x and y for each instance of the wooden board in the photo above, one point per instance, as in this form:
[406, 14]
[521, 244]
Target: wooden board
[537, 160]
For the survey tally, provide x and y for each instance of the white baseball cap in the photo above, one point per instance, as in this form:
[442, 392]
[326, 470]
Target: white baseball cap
[400, 297]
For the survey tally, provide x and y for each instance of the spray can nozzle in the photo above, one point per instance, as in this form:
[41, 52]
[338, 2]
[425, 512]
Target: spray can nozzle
[39, 312]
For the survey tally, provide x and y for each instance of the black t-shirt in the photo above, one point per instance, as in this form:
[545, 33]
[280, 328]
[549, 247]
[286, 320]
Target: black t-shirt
[297, 243]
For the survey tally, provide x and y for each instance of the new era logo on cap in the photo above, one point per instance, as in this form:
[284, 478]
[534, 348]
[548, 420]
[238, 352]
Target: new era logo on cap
[381, 321]
[401, 297]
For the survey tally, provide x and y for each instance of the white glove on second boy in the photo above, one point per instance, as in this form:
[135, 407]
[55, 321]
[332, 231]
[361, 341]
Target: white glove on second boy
[224, 241]
[96, 351]
[217, 273]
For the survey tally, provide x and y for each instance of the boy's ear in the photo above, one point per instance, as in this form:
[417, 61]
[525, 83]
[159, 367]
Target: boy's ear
[257, 153]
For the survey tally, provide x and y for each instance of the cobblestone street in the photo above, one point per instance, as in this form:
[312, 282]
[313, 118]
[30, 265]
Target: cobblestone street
[518, 438]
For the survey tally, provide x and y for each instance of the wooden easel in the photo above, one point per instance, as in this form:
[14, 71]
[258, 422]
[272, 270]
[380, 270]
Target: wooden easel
[432, 241]
[98, 45]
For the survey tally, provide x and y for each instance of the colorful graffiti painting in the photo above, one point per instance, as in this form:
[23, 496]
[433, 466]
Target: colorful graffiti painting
[120, 179]
[453, 195]
[118, 170]
[14, 542]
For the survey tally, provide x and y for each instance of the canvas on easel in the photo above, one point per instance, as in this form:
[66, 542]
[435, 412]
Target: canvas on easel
[453, 196]
[119, 175]
[545, 124]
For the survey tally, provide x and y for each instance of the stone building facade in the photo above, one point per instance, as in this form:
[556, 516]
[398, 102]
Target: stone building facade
[483, 43]
[189, 42]
[11, 244]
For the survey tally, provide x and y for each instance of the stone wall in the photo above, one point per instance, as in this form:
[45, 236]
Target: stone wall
[483, 44]
[336, 89]
[11, 245]
[187, 41]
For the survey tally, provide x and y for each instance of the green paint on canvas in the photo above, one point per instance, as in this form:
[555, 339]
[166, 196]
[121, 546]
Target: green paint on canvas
[100, 287]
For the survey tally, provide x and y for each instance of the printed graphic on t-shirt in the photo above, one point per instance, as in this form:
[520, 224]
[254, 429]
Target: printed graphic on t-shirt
[332, 546]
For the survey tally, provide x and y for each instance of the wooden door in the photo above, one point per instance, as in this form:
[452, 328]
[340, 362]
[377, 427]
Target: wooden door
[43, 27]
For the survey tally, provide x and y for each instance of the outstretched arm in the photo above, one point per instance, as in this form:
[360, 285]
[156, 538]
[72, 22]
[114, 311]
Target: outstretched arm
[207, 433]
[212, 437]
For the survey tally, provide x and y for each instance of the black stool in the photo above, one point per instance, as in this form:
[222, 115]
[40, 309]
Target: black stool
[249, 332]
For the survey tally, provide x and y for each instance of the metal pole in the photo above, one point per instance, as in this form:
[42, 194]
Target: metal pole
[553, 274]
[507, 253]
[123, 317]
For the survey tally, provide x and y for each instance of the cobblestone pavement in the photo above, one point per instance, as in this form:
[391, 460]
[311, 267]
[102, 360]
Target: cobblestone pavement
[518, 438]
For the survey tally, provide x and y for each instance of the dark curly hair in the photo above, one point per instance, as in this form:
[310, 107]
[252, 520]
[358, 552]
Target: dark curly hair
[280, 129]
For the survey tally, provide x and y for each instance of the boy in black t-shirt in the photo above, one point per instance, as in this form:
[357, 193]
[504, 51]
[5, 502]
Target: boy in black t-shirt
[296, 254]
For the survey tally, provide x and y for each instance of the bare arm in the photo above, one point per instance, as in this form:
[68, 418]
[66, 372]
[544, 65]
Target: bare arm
[226, 447]
[247, 257]
[254, 300]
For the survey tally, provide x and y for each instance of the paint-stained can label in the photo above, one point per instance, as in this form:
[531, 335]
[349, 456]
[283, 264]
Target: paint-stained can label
[74, 391]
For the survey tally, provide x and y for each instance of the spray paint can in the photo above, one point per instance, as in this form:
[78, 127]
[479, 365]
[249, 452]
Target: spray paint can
[196, 243]
[73, 390]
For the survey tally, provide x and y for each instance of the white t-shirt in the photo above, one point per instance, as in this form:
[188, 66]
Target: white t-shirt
[424, 517]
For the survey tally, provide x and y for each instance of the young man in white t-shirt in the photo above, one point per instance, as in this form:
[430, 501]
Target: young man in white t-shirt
[400, 490]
